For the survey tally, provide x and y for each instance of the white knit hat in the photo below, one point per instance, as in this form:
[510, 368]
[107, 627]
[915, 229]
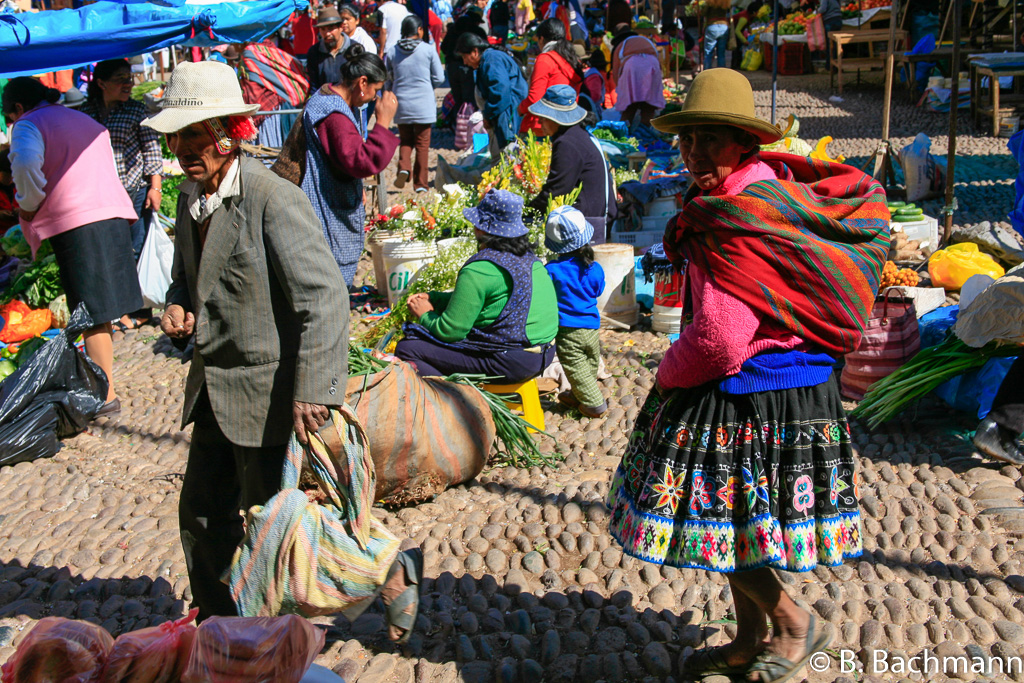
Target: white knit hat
[198, 92]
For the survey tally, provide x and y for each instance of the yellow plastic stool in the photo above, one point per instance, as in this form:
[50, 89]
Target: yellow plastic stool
[529, 397]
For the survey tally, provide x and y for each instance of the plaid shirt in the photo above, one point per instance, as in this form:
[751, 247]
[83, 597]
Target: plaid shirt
[136, 147]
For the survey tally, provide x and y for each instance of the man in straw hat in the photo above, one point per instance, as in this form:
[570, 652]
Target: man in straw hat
[782, 258]
[576, 160]
[253, 280]
[324, 60]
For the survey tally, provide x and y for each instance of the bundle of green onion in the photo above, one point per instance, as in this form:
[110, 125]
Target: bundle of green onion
[921, 374]
[362, 363]
[512, 431]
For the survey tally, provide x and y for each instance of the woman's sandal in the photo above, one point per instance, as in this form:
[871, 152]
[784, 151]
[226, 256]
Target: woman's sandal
[398, 616]
[710, 661]
[775, 669]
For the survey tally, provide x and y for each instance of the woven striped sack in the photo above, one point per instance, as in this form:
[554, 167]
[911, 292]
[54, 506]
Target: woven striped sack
[314, 548]
[425, 434]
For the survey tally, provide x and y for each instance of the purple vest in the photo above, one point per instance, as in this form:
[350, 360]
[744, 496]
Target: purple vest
[508, 331]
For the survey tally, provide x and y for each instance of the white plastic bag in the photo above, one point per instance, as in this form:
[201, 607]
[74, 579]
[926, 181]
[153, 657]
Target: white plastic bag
[924, 173]
[155, 265]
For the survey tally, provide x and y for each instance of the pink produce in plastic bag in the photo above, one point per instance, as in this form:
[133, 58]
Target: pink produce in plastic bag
[253, 650]
[152, 655]
[59, 650]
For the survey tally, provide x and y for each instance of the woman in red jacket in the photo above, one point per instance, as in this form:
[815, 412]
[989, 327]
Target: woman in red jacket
[557, 64]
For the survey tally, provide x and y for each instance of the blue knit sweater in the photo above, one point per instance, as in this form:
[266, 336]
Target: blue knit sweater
[774, 370]
[577, 289]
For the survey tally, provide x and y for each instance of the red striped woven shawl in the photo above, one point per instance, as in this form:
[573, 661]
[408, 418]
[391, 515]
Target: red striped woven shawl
[806, 250]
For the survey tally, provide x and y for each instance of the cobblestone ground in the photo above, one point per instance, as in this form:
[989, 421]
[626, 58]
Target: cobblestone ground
[524, 582]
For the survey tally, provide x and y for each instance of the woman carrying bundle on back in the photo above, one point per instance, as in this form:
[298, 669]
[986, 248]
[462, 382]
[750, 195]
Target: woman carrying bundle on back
[741, 461]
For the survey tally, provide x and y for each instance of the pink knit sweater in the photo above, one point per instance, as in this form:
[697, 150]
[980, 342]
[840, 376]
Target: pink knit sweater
[725, 331]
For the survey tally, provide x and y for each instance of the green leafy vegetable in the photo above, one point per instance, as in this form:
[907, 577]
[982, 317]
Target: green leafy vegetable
[38, 286]
[921, 374]
[27, 349]
[512, 431]
[362, 363]
[169, 201]
[141, 89]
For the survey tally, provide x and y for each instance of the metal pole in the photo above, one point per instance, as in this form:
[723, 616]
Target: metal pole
[954, 102]
[775, 55]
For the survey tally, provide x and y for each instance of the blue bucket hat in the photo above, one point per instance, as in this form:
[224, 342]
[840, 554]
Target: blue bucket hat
[559, 105]
[499, 213]
[566, 230]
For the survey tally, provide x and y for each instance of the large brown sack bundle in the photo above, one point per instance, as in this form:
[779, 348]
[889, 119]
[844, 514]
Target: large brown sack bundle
[425, 434]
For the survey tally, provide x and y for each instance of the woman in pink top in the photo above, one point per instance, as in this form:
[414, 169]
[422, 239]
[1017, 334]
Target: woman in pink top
[69, 192]
[636, 70]
[740, 461]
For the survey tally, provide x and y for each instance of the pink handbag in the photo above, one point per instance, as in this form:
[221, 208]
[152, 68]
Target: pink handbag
[464, 130]
[891, 338]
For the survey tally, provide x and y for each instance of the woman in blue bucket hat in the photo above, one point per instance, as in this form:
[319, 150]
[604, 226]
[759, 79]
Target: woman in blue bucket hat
[502, 317]
[576, 159]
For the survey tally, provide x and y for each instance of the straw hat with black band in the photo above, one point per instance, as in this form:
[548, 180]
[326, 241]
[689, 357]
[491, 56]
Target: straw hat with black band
[719, 97]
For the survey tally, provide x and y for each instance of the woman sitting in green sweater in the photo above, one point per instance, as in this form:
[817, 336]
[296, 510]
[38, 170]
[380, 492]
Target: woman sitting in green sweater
[502, 317]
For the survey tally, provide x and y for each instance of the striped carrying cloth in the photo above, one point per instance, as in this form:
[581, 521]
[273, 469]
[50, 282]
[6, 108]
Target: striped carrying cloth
[806, 250]
[306, 557]
[275, 70]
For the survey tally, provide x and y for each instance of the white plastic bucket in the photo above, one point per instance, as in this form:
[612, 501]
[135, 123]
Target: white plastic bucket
[618, 300]
[375, 243]
[402, 260]
[668, 301]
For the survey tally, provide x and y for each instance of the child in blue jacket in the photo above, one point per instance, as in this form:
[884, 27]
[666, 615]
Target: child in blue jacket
[578, 282]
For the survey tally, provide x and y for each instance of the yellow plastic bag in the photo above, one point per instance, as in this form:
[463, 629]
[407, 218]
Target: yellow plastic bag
[951, 267]
[752, 60]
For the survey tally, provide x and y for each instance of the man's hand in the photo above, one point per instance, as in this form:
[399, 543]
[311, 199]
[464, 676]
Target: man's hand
[176, 323]
[419, 304]
[153, 196]
[387, 105]
[27, 215]
[308, 417]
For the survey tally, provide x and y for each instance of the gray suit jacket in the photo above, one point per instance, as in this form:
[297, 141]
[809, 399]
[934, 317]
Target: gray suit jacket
[271, 309]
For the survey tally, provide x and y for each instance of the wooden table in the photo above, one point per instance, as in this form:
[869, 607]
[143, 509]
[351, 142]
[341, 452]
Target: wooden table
[858, 64]
[994, 73]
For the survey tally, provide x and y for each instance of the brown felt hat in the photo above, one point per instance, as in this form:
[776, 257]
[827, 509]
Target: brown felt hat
[328, 16]
[719, 97]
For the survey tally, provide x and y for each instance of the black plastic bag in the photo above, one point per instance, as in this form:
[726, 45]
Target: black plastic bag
[52, 396]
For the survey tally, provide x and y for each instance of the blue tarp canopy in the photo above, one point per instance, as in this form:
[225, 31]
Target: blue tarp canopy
[34, 43]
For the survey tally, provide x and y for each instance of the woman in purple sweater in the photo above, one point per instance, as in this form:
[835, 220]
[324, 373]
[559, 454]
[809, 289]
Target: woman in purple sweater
[340, 153]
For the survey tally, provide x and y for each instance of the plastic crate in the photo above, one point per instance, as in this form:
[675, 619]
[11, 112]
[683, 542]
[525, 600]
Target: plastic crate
[792, 58]
[923, 230]
[638, 239]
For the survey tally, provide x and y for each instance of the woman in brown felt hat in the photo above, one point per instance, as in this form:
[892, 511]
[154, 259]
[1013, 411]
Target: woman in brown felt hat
[740, 461]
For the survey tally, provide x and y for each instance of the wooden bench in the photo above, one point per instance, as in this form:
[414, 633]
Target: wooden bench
[839, 39]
